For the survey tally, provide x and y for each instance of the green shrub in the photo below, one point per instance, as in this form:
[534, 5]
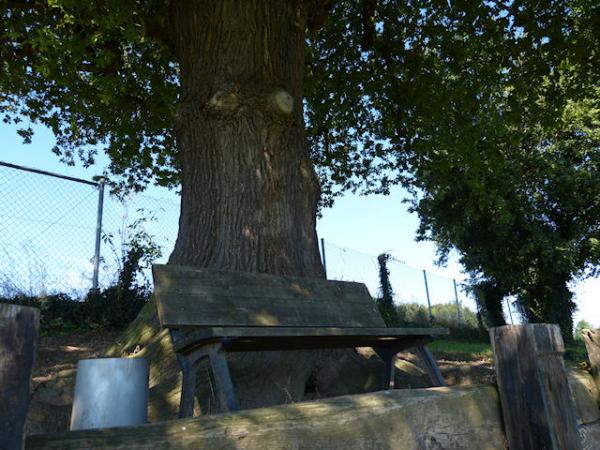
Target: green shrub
[112, 308]
[109, 309]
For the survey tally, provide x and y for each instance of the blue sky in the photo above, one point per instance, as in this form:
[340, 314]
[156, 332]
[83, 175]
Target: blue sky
[356, 229]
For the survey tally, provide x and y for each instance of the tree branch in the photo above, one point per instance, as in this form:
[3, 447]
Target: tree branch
[318, 10]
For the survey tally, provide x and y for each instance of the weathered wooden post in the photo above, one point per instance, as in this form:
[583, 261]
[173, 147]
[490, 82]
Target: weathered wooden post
[592, 345]
[18, 336]
[534, 392]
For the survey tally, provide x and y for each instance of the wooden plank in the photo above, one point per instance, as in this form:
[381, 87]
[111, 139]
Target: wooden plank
[280, 337]
[592, 345]
[307, 289]
[201, 297]
[223, 279]
[18, 339]
[187, 310]
[536, 403]
[310, 342]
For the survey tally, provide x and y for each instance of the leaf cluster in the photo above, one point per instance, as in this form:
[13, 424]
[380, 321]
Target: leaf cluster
[91, 72]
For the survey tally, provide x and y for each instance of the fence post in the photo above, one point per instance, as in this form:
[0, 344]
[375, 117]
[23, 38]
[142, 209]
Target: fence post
[592, 345]
[458, 314]
[427, 293]
[509, 311]
[323, 256]
[98, 233]
[534, 392]
[18, 337]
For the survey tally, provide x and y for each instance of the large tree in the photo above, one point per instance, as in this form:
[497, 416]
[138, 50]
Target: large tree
[214, 95]
[531, 225]
[205, 94]
[487, 112]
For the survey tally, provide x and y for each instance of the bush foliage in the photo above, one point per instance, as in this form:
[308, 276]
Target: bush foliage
[112, 308]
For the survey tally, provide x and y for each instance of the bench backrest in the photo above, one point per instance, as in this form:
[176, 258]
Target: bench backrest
[187, 296]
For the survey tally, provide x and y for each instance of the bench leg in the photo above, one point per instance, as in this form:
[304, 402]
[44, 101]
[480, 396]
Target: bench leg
[223, 384]
[388, 356]
[431, 366]
[188, 386]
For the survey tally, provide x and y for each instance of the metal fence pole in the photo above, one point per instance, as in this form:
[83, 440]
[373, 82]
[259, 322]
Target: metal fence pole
[324, 260]
[509, 311]
[427, 292]
[98, 233]
[458, 314]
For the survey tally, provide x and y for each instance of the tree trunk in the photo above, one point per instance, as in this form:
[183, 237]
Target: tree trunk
[248, 188]
[489, 296]
[550, 301]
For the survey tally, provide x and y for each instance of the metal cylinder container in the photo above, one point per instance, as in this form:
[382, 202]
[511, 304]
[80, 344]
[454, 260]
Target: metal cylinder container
[110, 392]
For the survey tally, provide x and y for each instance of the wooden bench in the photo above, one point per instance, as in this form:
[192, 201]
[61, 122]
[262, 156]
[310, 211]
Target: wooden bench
[211, 312]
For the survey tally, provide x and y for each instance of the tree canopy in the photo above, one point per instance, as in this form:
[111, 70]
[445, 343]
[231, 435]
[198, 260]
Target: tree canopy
[389, 84]
[487, 111]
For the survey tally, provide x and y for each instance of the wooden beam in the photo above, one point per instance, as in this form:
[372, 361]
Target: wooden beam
[534, 392]
[465, 417]
[18, 336]
[592, 344]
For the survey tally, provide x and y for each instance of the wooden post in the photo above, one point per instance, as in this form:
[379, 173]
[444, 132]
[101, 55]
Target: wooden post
[592, 345]
[534, 392]
[18, 336]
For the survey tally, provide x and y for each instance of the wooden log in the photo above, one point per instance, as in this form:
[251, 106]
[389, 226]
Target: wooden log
[18, 336]
[592, 345]
[466, 417]
[536, 402]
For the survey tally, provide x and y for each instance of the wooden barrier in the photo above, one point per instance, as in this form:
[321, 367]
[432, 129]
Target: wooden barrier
[534, 392]
[466, 417]
[18, 336]
[592, 345]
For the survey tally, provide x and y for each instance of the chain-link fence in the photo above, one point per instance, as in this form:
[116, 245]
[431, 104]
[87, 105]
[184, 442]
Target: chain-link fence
[49, 227]
[409, 284]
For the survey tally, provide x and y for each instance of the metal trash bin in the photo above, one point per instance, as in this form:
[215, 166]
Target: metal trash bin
[110, 392]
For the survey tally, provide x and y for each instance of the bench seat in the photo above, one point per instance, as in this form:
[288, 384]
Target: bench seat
[210, 313]
[241, 339]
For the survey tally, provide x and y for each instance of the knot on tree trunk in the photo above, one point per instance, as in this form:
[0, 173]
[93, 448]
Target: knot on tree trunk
[274, 102]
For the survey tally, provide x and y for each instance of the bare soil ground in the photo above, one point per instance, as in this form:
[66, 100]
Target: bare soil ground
[58, 353]
[54, 374]
[53, 378]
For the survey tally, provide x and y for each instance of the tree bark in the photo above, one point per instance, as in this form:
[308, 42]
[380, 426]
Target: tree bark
[248, 188]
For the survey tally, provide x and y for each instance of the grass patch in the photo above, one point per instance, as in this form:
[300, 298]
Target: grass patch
[575, 353]
[452, 349]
